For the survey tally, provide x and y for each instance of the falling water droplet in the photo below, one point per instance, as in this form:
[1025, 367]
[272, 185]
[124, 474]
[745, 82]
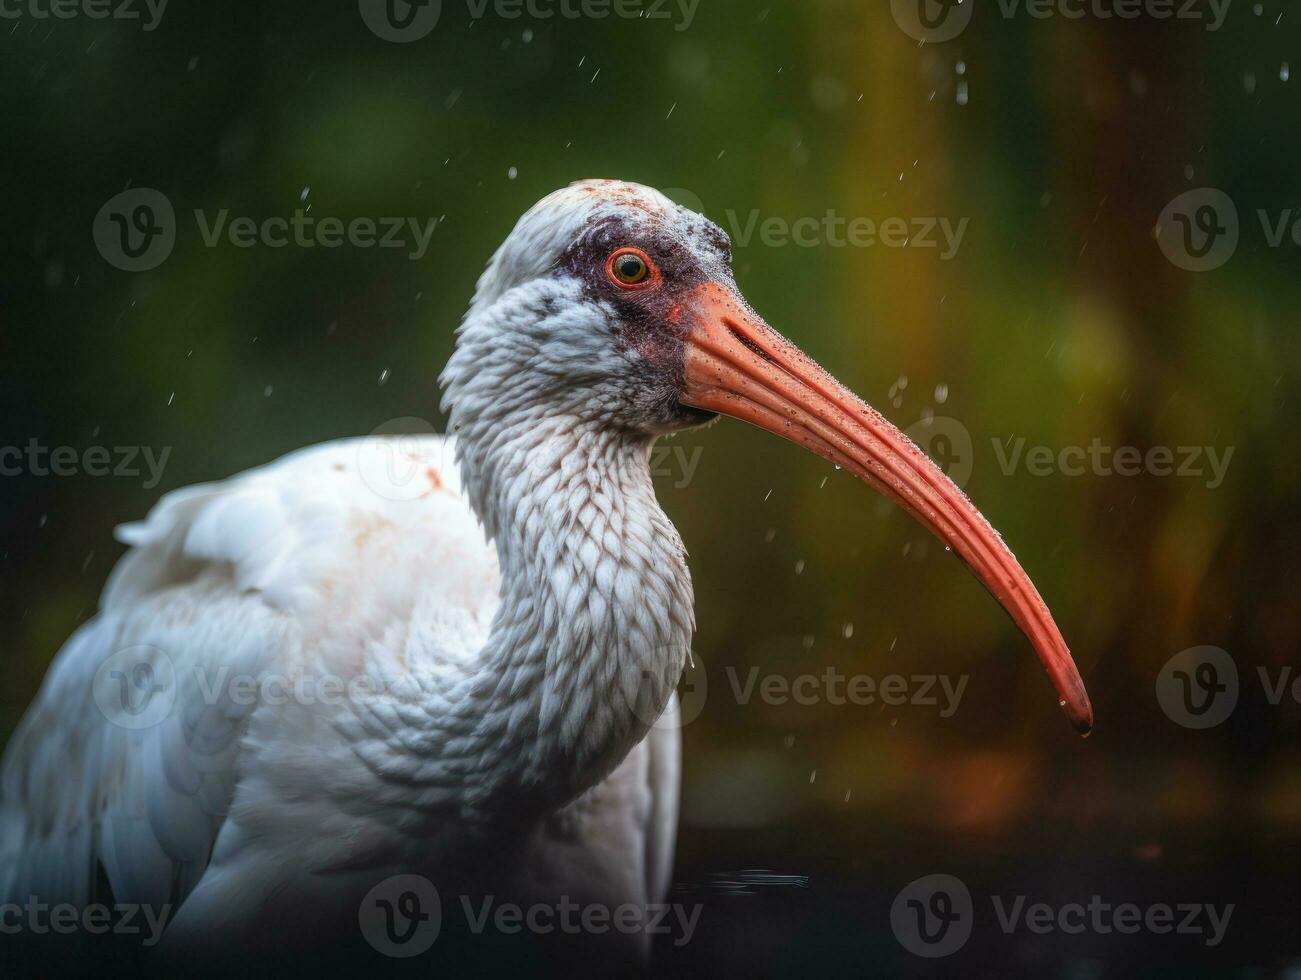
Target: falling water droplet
[383, 376]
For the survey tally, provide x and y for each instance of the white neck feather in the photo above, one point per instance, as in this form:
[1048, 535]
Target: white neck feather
[596, 616]
[596, 613]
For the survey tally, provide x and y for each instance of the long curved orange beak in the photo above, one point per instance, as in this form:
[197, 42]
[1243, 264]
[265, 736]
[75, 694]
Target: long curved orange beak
[737, 365]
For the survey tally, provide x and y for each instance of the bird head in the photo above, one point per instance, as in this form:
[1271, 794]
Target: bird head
[609, 305]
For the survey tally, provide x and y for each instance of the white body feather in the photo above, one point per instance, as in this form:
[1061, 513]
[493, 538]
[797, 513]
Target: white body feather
[347, 561]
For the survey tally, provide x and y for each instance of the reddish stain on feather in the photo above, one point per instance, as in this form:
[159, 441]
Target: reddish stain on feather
[435, 480]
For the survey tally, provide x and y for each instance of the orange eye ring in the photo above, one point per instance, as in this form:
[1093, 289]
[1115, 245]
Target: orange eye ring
[631, 268]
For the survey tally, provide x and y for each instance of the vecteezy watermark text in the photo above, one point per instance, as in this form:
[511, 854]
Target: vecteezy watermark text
[949, 443]
[404, 21]
[933, 916]
[40, 460]
[937, 21]
[834, 230]
[136, 230]
[403, 915]
[38, 918]
[148, 11]
[1103, 460]
[835, 688]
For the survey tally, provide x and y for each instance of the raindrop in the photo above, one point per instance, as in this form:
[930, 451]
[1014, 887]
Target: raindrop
[512, 173]
[1284, 73]
[302, 195]
[266, 392]
[813, 776]
[941, 394]
[799, 567]
[383, 376]
[848, 630]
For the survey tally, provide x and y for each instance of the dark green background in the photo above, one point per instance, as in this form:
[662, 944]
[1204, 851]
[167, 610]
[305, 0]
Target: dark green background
[1059, 321]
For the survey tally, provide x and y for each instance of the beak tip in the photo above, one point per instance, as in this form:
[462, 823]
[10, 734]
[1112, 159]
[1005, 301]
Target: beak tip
[1080, 715]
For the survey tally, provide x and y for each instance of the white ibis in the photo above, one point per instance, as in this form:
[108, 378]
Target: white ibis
[327, 679]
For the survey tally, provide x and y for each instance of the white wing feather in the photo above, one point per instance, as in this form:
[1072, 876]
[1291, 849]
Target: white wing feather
[226, 579]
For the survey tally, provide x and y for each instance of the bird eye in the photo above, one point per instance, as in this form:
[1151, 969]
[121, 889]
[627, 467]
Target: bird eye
[630, 267]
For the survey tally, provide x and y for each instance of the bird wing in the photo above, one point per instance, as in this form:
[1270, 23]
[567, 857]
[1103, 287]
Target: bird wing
[126, 763]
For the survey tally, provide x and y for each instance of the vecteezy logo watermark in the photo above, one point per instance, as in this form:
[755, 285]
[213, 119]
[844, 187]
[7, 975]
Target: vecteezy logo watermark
[404, 21]
[36, 459]
[1198, 230]
[401, 916]
[948, 442]
[648, 693]
[932, 21]
[135, 688]
[401, 21]
[150, 10]
[37, 918]
[933, 916]
[939, 691]
[136, 231]
[1198, 687]
[402, 460]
